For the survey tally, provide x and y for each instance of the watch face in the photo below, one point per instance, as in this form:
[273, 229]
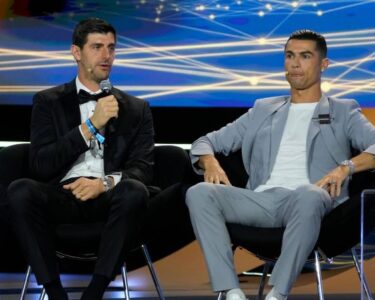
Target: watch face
[108, 183]
[346, 163]
[349, 164]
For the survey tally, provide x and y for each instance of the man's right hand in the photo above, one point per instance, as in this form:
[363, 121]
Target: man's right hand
[85, 189]
[213, 172]
[106, 108]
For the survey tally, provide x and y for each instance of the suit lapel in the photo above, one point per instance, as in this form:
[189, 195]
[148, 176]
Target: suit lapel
[70, 106]
[314, 128]
[277, 129]
[329, 138]
[257, 122]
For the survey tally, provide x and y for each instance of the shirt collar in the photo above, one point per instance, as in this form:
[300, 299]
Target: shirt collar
[80, 86]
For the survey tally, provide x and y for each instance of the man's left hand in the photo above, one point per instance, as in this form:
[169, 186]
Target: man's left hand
[332, 182]
[85, 189]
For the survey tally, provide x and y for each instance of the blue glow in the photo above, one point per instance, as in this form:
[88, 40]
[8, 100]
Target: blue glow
[210, 53]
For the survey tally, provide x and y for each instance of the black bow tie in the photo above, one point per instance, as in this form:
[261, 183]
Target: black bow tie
[84, 96]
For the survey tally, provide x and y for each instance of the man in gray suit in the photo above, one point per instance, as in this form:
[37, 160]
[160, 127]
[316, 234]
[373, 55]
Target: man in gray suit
[297, 152]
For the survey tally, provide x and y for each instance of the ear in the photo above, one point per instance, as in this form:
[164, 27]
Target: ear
[76, 52]
[324, 64]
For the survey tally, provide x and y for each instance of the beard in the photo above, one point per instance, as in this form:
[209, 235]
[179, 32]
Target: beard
[298, 84]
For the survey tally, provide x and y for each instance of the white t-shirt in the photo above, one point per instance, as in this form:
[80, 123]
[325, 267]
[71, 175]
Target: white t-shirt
[290, 169]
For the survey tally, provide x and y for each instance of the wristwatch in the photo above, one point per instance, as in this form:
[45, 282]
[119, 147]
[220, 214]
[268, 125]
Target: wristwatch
[108, 183]
[349, 163]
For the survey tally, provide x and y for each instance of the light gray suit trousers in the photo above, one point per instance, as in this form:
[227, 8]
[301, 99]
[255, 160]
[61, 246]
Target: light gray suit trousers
[258, 134]
[300, 211]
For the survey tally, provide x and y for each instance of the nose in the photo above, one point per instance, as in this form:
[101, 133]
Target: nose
[296, 62]
[106, 53]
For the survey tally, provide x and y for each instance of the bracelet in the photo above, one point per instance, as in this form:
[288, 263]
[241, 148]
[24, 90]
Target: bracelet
[91, 127]
[94, 131]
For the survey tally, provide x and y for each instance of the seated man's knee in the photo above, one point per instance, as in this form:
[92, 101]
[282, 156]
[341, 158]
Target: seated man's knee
[312, 198]
[20, 193]
[130, 193]
[197, 195]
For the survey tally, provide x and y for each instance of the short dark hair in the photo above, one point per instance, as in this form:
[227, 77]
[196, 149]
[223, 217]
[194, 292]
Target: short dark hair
[310, 35]
[87, 26]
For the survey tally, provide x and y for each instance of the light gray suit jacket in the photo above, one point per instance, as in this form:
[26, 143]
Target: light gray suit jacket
[258, 133]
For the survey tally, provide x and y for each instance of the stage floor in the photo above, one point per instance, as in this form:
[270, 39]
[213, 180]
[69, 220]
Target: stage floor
[183, 276]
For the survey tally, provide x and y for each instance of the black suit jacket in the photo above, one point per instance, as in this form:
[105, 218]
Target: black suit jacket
[56, 141]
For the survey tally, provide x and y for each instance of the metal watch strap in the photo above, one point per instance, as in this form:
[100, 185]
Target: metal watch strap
[349, 163]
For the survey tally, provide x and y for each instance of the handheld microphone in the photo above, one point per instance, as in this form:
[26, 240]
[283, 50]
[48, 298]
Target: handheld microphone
[106, 86]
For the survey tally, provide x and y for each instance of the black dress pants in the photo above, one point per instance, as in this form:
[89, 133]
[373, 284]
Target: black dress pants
[38, 207]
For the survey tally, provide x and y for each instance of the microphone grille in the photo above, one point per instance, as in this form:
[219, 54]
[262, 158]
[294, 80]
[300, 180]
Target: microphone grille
[105, 85]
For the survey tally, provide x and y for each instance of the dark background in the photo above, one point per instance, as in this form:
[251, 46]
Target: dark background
[172, 124]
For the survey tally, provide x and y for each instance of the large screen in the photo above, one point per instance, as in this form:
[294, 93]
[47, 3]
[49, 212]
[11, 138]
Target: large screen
[187, 53]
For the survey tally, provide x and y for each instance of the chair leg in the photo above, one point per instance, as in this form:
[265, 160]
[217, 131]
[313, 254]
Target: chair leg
[25, 283]
[220, 295]
[153, 273]
[43, 294]
[318, 273]
[364, 283]
[262, 283]
[125, 281]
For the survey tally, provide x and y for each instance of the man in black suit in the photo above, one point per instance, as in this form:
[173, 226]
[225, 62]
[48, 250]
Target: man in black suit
[91, 161]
